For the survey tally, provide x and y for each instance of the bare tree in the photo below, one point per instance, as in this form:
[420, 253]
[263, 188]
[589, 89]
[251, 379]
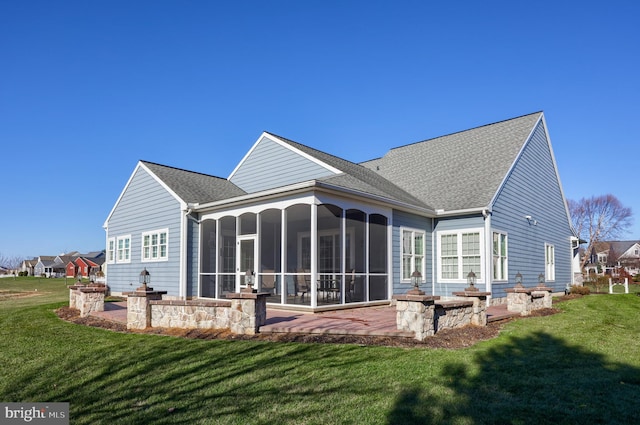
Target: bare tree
[599, 218]
[11, 263]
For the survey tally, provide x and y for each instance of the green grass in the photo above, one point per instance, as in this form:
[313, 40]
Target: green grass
[580, 366]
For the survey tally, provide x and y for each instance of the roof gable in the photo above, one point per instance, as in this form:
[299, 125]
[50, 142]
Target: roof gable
[257, 170]
[187, 187]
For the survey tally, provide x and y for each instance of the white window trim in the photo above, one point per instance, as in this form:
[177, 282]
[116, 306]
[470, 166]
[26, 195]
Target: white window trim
[461, 278]
[118, 239]
[504, 278]
[111, 253]
[549, 268]
[142, 246]
[423, 267]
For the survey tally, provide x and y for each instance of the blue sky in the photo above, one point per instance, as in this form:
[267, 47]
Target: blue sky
[88, 88]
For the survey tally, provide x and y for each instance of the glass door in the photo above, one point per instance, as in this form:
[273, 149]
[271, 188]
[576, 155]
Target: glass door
[246, 268]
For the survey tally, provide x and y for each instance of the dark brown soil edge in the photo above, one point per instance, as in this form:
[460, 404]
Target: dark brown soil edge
[453, 339]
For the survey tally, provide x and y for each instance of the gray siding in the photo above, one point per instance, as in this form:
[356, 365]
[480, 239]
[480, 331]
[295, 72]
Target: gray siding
[271, 165]
[145, 206]
[532, 189]
[447, 224]
[403, 219]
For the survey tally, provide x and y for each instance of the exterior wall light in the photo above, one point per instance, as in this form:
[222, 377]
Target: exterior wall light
[145, 279]
[519, 280]
[416, 279]
[471, 280]
[541, 279]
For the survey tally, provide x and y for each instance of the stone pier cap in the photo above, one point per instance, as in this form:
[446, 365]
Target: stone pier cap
[417, 298]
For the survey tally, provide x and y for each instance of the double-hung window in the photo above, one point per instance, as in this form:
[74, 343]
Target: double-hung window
[459, 253]
[154, 245]
[123, 250]
[500, 269]
[111, 250]
[413, 250]
[550, 261]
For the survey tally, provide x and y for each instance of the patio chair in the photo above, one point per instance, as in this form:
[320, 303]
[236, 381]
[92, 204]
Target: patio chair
[269, 282]
[303, 284]
[351, 286]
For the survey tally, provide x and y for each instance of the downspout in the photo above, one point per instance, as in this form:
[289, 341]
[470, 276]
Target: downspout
[182, 292]
[433, 256]
[488, 253]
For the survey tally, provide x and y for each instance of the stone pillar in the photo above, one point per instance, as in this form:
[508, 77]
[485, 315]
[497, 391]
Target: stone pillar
[415, 313]
[248, 311]
[74, 293]
[90, 299]
[138, 308]
[479, 299]
[519, 300]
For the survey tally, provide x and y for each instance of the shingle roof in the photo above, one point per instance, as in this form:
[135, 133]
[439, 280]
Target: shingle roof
[458, 171]
[356, 177]
[194, 187]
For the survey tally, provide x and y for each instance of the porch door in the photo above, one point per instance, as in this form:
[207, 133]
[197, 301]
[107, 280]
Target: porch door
[246, 268]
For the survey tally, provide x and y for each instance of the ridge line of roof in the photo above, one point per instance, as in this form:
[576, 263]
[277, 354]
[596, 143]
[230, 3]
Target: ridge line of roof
[459, 132]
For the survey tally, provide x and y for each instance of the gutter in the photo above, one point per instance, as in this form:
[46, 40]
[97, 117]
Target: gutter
[304, 187]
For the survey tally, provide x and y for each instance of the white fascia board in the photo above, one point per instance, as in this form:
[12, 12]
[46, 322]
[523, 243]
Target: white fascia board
[517, 158]
[555, 168]
[126, 186]
[305, 155]
[467, 211]
[242, 161]
[305, 186]
[139, 166]
[380, 199]
[286, 146]
[253, 196]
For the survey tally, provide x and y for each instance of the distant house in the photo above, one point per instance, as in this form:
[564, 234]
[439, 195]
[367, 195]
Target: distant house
[608, 257]
[318, 231]
[28, 266]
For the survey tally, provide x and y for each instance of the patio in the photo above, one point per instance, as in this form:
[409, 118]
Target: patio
[365, 321]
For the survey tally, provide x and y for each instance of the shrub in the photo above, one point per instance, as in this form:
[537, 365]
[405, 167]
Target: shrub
[579, 290]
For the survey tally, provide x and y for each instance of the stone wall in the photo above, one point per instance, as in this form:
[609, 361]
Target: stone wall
[525, 300]
[453, 314]
[191, 314]
[243, 314]
[426, 315]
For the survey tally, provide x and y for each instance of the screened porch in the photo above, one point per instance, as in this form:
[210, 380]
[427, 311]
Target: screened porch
[304, 255]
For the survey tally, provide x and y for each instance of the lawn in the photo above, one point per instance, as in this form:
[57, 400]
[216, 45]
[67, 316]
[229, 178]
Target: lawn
[579, 366]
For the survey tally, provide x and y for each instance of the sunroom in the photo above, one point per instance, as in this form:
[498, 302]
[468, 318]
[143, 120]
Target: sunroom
[313, 251]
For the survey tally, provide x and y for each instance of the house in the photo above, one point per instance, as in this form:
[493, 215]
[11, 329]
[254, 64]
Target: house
[318, 231]
[28, 266]
[85, 266]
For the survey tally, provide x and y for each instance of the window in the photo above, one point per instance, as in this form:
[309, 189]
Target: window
[550, 261]
[413, 250]
[111, 250]
[123, 254]
[154, 245]
[500, 269]
[460, 253]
